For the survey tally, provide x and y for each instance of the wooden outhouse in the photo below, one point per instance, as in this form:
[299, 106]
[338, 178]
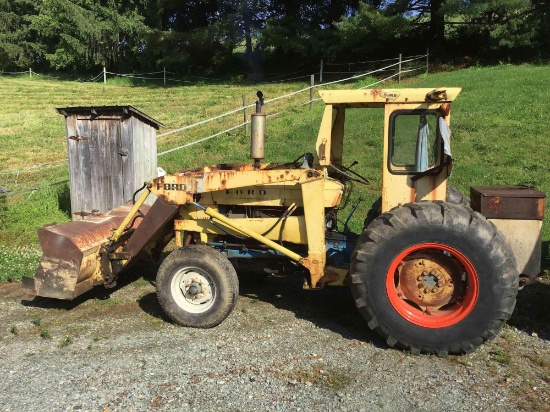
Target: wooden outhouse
[112, 151]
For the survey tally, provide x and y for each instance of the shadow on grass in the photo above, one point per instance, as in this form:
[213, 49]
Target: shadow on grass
[532, 313]
[64, 199]
[545, 260]
[150, 305]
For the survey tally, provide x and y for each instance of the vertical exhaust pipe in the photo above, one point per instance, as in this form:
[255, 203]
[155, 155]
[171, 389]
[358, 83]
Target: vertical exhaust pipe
[257, 137]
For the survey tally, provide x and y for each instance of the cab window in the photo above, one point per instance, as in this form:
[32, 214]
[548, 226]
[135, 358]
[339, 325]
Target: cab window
[414, 143]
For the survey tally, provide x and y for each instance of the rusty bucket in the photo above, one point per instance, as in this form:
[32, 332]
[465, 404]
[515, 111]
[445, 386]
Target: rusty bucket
[70, 257]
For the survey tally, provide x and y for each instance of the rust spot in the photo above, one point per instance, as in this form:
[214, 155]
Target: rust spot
[223, 184]
[540, 209]
[69, 252]
[375, 93]
[197, 175]
[445, 109]
[494, 204]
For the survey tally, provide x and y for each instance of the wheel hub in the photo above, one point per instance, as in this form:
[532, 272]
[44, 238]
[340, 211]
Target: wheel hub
[196, 288]
[429, 280]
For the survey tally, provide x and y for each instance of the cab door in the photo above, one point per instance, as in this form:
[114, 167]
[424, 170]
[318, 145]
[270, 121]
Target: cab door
[417, 162]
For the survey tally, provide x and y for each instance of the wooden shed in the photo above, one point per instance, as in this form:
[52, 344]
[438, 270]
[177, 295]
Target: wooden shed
[112, 151]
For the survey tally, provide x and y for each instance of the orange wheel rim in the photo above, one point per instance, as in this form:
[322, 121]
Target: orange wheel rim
[432, 285]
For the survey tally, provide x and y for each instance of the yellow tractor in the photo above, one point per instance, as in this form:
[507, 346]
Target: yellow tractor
[428, 273]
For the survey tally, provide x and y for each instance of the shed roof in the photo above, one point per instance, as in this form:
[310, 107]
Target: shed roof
[110, 111]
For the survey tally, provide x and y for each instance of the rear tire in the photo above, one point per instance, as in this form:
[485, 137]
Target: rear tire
[453, 195]
[197, 286]
[434, 277]
[456, 196]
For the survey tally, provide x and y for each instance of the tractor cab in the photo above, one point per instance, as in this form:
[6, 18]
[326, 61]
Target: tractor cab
[417, 153]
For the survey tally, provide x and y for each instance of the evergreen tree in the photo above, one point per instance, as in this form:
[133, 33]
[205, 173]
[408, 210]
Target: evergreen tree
[19, 47]
[83, 34]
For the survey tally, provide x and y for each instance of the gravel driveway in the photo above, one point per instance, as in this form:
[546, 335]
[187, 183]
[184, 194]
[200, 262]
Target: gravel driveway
[282, 349]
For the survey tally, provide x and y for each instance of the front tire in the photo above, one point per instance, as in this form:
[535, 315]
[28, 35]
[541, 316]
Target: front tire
[197, 286]
[434, 277]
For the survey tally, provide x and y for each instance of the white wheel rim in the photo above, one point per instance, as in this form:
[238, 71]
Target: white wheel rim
[193, 290]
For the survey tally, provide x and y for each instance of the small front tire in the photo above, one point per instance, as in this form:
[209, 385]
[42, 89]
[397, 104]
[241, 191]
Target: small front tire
[197, 286]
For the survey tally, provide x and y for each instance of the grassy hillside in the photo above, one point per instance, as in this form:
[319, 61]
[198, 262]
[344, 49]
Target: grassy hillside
[500, 125]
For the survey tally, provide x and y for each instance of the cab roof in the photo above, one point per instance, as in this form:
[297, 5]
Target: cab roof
[381, 97]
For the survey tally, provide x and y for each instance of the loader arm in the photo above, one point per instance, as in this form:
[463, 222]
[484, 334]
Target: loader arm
[185, 187]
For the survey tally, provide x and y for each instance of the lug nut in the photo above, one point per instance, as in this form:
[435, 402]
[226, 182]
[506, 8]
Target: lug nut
[426, 290]
[419, 278]
[439, 276]
[435, 290]
[420, 285]
[432, 272]
[439, 284]
[424, 273]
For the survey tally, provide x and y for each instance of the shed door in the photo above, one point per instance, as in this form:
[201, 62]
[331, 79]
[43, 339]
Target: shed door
[95, 166]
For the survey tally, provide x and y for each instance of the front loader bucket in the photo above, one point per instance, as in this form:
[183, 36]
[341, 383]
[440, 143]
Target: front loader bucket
[70, 256]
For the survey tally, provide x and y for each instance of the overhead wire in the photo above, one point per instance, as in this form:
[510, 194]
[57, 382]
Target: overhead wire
[355, 77]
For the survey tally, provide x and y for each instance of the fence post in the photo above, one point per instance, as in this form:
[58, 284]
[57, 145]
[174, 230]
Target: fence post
[400, 60]
[164, 72]
[104, 75]
[321, 72]
[245, 115]
[312, 85]
[30, 73]
[427, 59]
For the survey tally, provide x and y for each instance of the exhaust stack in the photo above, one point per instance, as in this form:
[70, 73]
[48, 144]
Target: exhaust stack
[257, 138]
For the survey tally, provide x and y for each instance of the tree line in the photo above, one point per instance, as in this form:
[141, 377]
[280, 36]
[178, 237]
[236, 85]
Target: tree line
[259, 36]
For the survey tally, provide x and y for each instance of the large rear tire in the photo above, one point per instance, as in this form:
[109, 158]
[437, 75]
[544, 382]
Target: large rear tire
[453, 195]
[456, 196]
[434, 277]
[197, 286]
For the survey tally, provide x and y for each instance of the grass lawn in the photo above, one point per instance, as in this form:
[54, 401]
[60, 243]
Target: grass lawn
[500, 126]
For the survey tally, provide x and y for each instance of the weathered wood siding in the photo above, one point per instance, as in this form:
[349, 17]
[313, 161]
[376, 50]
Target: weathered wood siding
[139, 139]
[110, 157]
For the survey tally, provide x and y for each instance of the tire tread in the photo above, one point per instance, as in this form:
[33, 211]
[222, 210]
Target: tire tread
[455, 217]
[226, 303]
